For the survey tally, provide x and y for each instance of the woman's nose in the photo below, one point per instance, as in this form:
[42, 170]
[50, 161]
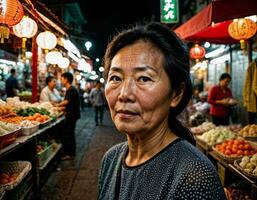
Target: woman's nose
[127, 92]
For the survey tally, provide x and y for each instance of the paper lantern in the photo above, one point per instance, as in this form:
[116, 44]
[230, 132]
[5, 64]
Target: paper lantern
[242, 30]
[53, 57]
[26, 28]
[11, 13]
[46, 40]
[63, 63]
[197, 52]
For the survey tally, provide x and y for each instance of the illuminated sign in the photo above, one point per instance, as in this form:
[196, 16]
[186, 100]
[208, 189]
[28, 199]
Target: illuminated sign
[169, 11]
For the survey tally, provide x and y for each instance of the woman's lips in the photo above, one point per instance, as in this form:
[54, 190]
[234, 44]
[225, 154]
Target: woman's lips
[126, 114]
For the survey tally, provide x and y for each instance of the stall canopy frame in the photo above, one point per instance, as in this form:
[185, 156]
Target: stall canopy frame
[211, 23]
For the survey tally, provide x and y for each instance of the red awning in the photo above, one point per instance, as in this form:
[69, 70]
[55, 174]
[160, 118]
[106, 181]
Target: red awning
[210, 24]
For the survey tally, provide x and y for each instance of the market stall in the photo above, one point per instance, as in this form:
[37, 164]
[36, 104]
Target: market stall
[29, 147]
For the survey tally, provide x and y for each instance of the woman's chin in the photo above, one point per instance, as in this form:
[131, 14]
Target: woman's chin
[126, 128]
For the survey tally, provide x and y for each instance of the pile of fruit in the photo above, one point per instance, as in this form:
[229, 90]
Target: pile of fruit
[7, 128]
[249, 131]
[206, 126]
[249, 164]
[8, 177]
[237, 194]
[216, 135]
[235, 148]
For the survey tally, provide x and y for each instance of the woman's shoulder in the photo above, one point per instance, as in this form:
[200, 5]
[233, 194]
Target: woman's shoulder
[116, 150]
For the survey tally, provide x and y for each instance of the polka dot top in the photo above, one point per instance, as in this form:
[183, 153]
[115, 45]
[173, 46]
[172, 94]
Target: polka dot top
[179, 171]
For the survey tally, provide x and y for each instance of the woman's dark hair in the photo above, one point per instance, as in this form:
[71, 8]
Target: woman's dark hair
[68, 76]
[176, 64]
[224, 76]
[49, 79]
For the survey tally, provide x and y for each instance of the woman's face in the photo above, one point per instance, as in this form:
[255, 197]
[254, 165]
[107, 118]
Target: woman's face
[225, 82]
[138, 89]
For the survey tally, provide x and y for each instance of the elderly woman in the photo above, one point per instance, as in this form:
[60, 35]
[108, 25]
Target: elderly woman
[147, 86]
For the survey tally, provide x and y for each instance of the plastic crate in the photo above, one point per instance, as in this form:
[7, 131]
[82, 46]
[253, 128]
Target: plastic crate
[30, 130]
[44, 155]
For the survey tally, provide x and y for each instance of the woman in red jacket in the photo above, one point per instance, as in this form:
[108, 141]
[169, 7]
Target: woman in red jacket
[220, 98]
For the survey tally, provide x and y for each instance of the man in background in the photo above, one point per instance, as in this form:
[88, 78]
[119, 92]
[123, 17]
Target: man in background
[11, 84]
[71, 107]
[97, 100]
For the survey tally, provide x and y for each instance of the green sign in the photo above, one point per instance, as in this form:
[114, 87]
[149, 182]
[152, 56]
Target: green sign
[169, 11]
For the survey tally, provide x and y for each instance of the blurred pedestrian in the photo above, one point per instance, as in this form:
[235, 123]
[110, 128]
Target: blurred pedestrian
[97, 100]
[49, 92]
[221, 100]
[11, 84]
[71, 105]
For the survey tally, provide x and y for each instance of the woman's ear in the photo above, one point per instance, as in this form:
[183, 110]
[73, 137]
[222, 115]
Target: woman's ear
[177, 95]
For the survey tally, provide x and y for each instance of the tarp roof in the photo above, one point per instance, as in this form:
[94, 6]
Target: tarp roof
[211, 23]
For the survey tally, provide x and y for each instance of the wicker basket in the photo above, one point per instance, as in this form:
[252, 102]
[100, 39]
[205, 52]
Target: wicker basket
[228, 159]
[20, 167]
[236, 164]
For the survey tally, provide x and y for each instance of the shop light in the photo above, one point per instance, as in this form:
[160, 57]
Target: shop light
[102, 80]
[53, 57]
[101, 69]
[220, 59]
[74, 57]
[207, 45]
[93, 72]
[70, 47]
[216, 52]
[63, 63]
[7, 62]
[28, 54]
[78, 77]
[97, 59]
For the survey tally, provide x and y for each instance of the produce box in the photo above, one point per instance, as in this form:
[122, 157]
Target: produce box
[12, 173]
[9, 138]
[44, 124]
[30, 130]
[44, 155]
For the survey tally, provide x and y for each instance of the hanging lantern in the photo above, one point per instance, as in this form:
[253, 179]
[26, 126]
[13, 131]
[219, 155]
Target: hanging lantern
[53, 57]
[26, 28]
[11, 13]
[197, 52]
[242, 29]
[64, 63]
[46, 40]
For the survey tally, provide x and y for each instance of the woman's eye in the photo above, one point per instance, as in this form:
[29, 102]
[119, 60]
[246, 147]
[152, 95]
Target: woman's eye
[144, 79]
[114, 78]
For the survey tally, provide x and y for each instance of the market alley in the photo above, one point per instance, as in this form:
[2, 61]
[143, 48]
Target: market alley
[75, 180]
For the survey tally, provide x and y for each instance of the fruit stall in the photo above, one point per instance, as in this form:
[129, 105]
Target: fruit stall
[29, 147]
[233, 151]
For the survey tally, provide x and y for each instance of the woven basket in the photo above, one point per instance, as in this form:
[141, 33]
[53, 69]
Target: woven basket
[20, 167]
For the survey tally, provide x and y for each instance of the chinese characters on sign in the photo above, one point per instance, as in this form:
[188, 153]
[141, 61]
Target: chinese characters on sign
[169, 11]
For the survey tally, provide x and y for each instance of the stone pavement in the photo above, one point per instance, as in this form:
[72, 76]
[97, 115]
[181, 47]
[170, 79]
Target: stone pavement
[75, 180]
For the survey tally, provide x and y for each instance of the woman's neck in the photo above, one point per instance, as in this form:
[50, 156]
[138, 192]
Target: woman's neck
[141, 150]
[50, 88]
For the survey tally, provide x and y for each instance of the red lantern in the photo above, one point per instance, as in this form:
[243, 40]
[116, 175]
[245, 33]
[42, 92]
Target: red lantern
[197, 52]
[242, 29]
[11, 13]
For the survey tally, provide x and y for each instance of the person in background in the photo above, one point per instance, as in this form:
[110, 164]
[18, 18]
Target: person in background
[221, 100]
[49, 92]
[71, 106]
[97, 100]
[11, 84]
[147, 85]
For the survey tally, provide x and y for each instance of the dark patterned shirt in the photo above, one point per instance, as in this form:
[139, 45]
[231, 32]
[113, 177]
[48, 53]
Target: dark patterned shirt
[179, 171]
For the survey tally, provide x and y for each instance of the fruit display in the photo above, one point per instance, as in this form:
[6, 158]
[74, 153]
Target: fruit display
[204, 127]
[249, 131]
[235, 148]
[235, 127]
[38, 118]
[8, 177]
[248, 164]
[216, 135]
[237, 194]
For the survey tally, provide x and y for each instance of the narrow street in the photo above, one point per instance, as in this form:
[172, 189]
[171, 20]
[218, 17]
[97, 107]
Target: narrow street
[77, 179]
